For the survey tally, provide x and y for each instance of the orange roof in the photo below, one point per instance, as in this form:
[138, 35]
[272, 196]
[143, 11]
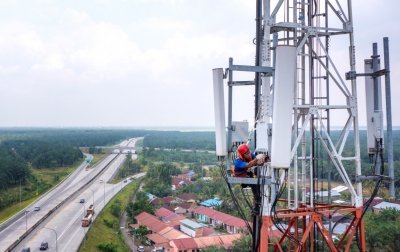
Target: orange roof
[204, 242]
[174, 234]
[165, 230]
[228, 239]
[162, 212]
[150, 222]
[134, 225]
[158, 227]
[142, 216]
[156, 238]
[236, 222]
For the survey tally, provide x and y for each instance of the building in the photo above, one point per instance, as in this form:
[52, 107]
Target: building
[187, 197]
[191, 228]
[383, 205]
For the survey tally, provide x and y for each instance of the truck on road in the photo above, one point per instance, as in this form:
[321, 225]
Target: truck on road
[90, 210]
[87, 220]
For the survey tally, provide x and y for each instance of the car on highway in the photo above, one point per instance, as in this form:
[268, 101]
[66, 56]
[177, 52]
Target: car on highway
[37, 208]
[101, 181]
[44, 245]
[26, 250]
[82, 201]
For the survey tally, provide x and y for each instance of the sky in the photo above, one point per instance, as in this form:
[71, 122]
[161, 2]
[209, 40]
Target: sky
[138, 63]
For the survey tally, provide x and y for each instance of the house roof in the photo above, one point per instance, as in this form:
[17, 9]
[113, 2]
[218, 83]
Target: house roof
[134, 225]
[158, 227]
[187, 197]
[223, 217]
[228, 239]
[185, 205]
[170, 208]
[340, 188]
[168, 199]
[162, 212]
[156, 238]
[211, 202]
[325, 193]
[236, 222]
[204, 242]
[174, 234]
[185, 244]
[374, 202]
[150, 222]
[207, 231]
[204, 210]
[384, 205]
[142, 216]
[170, 217]
[165, 230]
[191, 224]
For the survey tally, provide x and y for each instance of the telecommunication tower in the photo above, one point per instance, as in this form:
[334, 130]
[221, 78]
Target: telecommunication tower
[298, 89]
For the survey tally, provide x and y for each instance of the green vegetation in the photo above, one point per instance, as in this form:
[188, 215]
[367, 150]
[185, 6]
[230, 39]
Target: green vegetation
[179, 156]
[159, 179]
[141, 204]
[105, 234]
[180, 140]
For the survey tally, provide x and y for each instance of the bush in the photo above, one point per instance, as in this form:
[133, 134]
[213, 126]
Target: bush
[107, 247]
[109, 223]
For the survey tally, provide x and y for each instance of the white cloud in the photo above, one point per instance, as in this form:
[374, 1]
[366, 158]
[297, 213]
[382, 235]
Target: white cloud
[161, 24]
[9, 70]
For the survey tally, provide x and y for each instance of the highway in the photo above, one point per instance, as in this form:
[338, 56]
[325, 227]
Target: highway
[65, 222]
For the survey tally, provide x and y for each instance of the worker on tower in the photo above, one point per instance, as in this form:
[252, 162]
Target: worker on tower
[245, 161]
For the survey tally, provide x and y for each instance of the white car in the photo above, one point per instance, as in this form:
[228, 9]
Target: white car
[37, 208]
[101, 181]
[140, 249]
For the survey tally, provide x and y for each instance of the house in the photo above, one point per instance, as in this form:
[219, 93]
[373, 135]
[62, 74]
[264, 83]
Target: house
[187, 197]
[178, 183]
[374, 202]
[322, 196]
[201, 213]
[173, 240]
[189, 207]
[213, 217]
[185, 176]
[162, 202]
[383, 205]
[162, 213]
[142, 216]
[188, 244]
[156, 239]
[191, 228]
[211, 203]
[179, 210]
[150, 196]
[235, 225]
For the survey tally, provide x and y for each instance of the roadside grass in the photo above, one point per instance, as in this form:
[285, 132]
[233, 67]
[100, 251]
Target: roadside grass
[100, 232]
[40, 181]
[10, 211]
[139, 143]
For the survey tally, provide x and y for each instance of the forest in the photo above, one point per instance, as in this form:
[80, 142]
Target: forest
[51, 148]
[47, 148]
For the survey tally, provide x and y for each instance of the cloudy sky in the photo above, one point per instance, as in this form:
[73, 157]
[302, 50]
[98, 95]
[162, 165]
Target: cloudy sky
[144, 62]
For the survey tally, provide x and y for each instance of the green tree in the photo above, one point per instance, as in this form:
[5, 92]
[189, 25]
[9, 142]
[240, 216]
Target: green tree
[242, 244]
[107, 247]
[115, 210]
[213, 248]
